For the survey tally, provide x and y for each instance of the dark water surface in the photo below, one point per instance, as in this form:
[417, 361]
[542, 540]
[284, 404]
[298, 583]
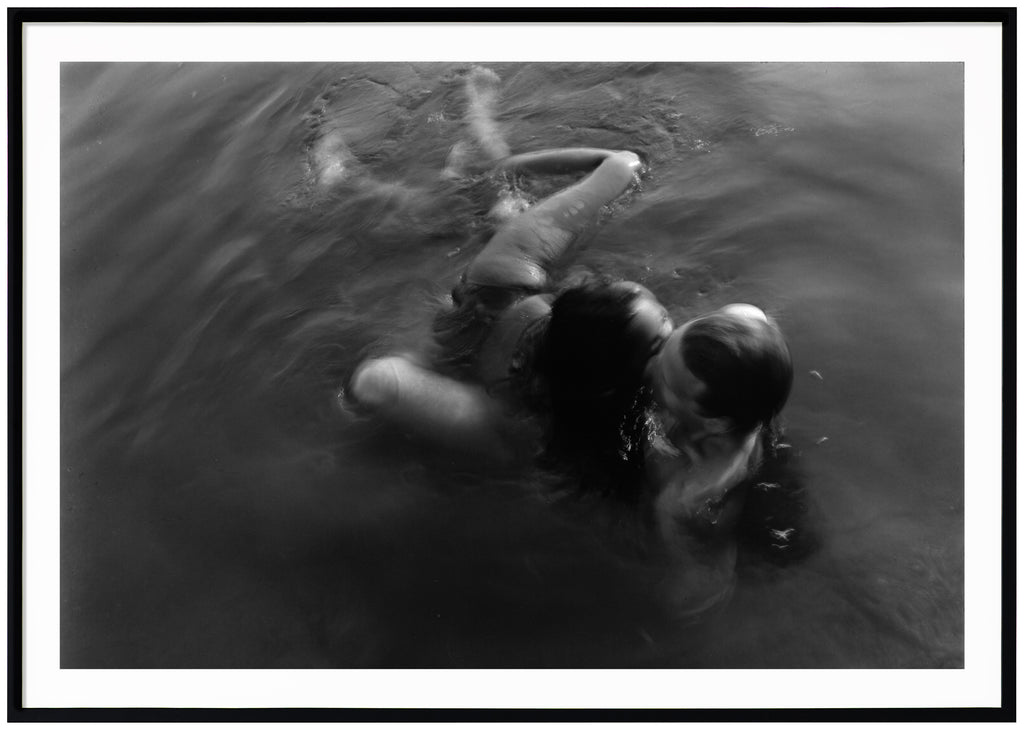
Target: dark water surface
[220, 510]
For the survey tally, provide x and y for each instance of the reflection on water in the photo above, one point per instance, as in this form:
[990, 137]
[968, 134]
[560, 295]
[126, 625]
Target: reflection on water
[218, 509]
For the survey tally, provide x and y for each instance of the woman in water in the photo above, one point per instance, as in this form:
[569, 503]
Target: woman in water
[675, 419]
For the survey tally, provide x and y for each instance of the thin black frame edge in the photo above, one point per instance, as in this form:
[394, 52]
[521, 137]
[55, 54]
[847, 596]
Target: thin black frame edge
[514, 15]
[16, 17]
[286, 714]
[1008, 657]
[15, 377]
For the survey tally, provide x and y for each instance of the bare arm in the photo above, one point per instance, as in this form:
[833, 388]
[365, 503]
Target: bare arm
[696, 512]
[437, 409]
[555, 161]
[522, 250]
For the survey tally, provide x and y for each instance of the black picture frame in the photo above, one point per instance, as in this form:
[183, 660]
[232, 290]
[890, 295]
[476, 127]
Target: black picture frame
[17, 18]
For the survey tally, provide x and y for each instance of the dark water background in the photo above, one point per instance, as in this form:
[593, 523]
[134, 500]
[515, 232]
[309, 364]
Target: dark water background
[219, 510]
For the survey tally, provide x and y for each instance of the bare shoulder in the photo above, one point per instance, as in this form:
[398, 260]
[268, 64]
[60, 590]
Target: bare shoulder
[530, 308]
[501, 345]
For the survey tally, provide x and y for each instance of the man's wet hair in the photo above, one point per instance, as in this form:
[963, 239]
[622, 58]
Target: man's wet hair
[745, 365]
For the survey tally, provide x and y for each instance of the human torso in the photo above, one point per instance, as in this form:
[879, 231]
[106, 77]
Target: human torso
[510, 346]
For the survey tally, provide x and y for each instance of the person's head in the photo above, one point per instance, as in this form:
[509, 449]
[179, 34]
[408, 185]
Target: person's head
[599, 339]
[728, 372]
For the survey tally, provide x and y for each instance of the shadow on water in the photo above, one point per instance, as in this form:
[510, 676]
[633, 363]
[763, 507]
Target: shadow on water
[219, 509]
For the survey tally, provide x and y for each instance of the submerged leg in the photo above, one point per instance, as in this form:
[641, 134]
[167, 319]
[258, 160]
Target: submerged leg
[486, 139]
[482, 90]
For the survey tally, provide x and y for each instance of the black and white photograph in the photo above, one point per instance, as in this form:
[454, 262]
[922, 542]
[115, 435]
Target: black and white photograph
[512, 364]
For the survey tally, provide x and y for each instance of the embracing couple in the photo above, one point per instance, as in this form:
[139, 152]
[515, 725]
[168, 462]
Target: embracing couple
[594, 372]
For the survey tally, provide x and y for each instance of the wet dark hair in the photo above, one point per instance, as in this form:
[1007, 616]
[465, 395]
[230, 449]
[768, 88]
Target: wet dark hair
[590, 349]
[745, 365]
[592, 359]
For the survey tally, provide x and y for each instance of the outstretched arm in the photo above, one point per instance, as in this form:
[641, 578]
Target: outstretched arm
[556, 160]
[522, 251]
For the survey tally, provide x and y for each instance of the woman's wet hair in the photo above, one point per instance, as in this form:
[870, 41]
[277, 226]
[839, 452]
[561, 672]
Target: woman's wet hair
[589, 361]
[745, 365]
[590, 347]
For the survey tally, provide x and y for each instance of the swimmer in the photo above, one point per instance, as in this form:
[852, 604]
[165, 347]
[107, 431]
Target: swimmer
[596, 369]
[504, 292]
[690, 412]
[718, 385]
